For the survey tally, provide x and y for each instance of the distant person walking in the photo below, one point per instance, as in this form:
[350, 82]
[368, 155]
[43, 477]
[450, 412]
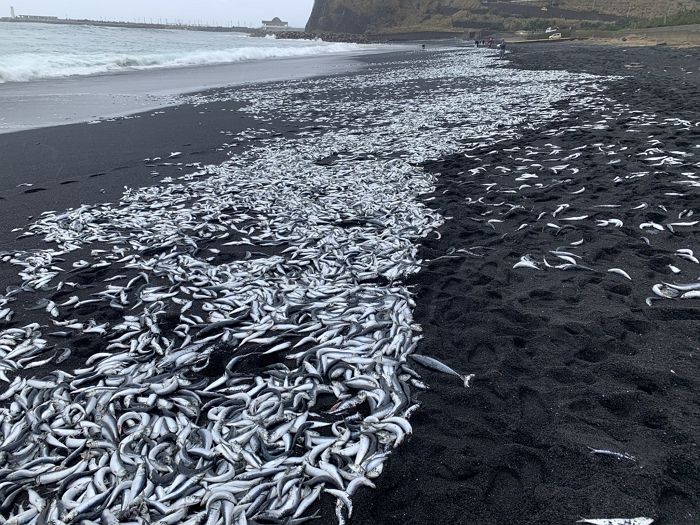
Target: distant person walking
[476, 43]
[502, 48]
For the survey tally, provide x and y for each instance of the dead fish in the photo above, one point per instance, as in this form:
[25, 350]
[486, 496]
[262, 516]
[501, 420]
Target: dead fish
[687, 254]
[654, 225]
[684, 224]
[665, 291]
[618, 271]
[629, 521]
[618, 455]
[610, 222]
[560, 209]
[527, 262]
[434, 364]
[684, 287]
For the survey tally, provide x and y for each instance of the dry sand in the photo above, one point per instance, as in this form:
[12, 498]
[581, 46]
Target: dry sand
[564, 361]
[676, 36]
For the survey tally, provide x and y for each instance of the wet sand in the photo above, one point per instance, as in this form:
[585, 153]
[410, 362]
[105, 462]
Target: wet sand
[56, 102]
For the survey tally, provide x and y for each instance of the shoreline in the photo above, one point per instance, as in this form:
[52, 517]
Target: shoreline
[80, 99]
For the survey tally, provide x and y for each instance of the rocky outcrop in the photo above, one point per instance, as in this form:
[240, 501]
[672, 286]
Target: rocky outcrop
[379, 16]
[351, 16]
[334, 36]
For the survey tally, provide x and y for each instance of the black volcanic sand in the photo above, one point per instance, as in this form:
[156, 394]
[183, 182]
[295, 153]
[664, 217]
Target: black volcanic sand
[63, 167]
[563, 360]
[91, 163]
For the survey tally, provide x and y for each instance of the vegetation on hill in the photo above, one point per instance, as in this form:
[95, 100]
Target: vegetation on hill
[386, 16]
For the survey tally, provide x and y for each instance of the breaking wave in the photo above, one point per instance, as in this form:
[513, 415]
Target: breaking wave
[23, 67]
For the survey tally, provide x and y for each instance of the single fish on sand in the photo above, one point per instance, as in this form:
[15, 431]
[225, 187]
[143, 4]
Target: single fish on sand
[436, 365]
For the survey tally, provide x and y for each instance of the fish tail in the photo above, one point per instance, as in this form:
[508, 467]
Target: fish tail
[467, 379]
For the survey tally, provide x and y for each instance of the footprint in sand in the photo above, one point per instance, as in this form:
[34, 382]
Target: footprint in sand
[532, 409]
[505, 489]
[482, 353]
[677, 508]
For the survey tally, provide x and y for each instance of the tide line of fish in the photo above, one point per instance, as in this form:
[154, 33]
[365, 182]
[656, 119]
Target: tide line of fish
[252, 340]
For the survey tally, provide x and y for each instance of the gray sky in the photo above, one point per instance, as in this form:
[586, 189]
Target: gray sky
[219, 12]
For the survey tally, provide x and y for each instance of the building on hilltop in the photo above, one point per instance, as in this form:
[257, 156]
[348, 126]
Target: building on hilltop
[275, 24]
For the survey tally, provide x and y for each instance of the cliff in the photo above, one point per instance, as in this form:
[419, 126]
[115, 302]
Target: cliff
[387, 16]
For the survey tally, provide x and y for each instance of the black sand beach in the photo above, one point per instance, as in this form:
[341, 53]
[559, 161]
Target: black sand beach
[565, 362]
[101, 159]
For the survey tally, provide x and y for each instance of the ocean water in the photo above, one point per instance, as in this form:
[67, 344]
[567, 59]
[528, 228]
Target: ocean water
[41, 51]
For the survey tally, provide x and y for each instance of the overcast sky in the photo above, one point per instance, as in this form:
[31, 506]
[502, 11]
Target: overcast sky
[218, 12]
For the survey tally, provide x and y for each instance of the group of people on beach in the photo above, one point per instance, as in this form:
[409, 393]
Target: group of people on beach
[490, 44]
[501, 46]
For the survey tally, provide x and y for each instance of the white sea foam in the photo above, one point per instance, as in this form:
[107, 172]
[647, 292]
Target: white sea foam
[35, 51]
[25, 67]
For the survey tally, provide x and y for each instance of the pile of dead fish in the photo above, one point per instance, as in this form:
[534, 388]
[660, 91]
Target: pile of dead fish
[138, 432]
[248, 325]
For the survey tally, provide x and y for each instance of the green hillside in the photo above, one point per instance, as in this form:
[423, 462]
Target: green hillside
[386, 16]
